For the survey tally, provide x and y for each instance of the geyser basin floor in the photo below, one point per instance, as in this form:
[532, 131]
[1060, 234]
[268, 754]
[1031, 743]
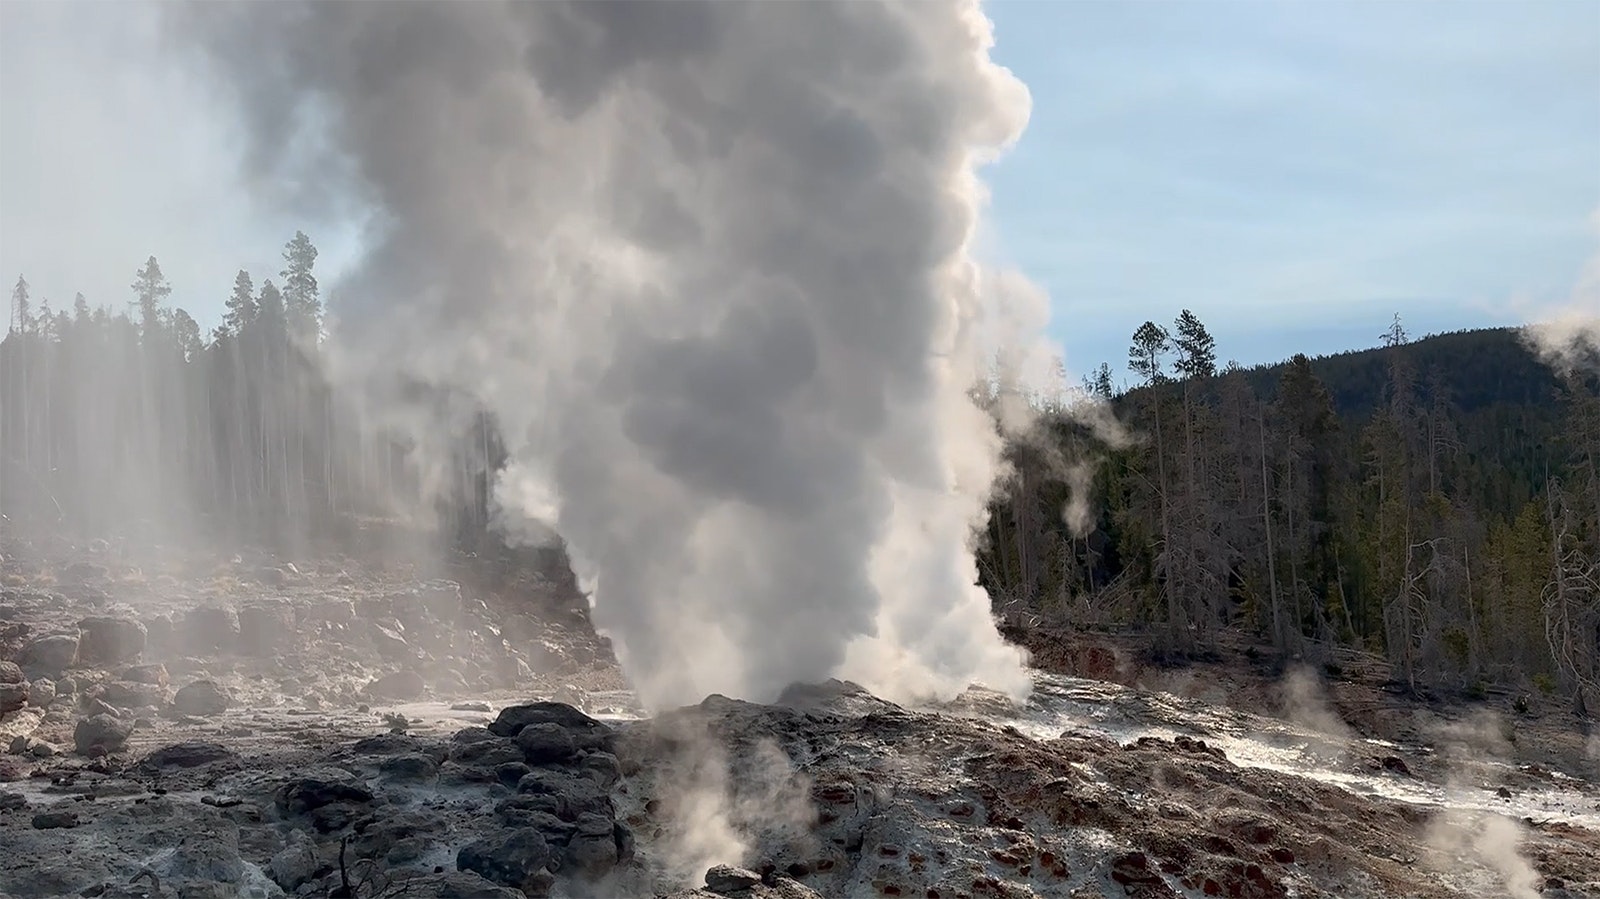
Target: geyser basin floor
[848, 794]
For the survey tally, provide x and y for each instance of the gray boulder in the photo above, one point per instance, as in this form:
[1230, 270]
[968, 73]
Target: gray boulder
[202, 698]
[51, 655]
[586, 732]
[592, 851]
[100, 735]
[546, 743]
[110, 640]
[508, 858]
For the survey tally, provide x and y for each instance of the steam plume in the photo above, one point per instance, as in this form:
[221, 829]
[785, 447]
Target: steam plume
[1567, 338]
[708, 265]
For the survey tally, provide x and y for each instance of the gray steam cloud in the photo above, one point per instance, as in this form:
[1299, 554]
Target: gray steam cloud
[708, 264]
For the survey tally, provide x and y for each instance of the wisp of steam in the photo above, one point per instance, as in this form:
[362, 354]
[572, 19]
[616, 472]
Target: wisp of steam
[709, 265]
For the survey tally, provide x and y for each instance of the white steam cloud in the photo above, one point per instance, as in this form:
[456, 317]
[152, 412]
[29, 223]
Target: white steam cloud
[709, 265]
[1567, 337]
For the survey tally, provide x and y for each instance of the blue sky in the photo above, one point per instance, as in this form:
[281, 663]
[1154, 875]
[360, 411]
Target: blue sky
[1294, 172]
[1297, 172]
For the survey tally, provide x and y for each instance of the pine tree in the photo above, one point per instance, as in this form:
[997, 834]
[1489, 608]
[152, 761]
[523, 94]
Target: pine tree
[241, 305]
[80, 309]
[1396, 335]
[150, 289]
[301, 301]
[187, 334]
[1151, 342]
[1197, 350]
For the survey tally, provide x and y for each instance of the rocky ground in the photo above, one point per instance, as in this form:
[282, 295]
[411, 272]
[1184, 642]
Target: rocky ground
[262, 729]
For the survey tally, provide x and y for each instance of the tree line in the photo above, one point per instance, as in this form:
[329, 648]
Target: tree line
[1459, 539]
[1436, 502]
[134, 423]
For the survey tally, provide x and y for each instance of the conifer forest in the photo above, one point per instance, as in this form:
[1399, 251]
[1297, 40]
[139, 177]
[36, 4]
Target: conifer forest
[1433, 503]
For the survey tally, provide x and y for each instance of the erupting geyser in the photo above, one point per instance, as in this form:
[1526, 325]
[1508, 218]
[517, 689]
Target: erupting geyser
[708, 264]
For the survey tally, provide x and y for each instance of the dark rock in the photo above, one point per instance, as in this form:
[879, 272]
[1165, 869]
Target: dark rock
[1136, 875]
[725, 879]
[266, 627]
[625, 841]
[601, 767]
[592, 851]
[333, 817]
[1395, 764]
[538, 803]
[577, 795]
[508, 858]
[145, 674]
[202, 698]
[51, 655]
[412, 831]
[586, 732]
[415, 766]
[100, 735]
[511, 773]
[54, 820]
[109, 641]
[13, 696]
[397, 685]
[10, 673]
[397, 744]
[306, 794]
[297, 863]
[486, 753]
[450, 885]
[10, 802]
[556, 831]
[188, 755]
[128, 694]
[211, 629]
[472, 734]
[546, 743]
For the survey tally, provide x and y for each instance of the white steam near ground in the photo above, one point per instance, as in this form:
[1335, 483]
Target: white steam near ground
[709, 265]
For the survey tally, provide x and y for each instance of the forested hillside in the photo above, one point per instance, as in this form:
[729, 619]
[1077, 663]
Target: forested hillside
[133, 423]
[1436, 502]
